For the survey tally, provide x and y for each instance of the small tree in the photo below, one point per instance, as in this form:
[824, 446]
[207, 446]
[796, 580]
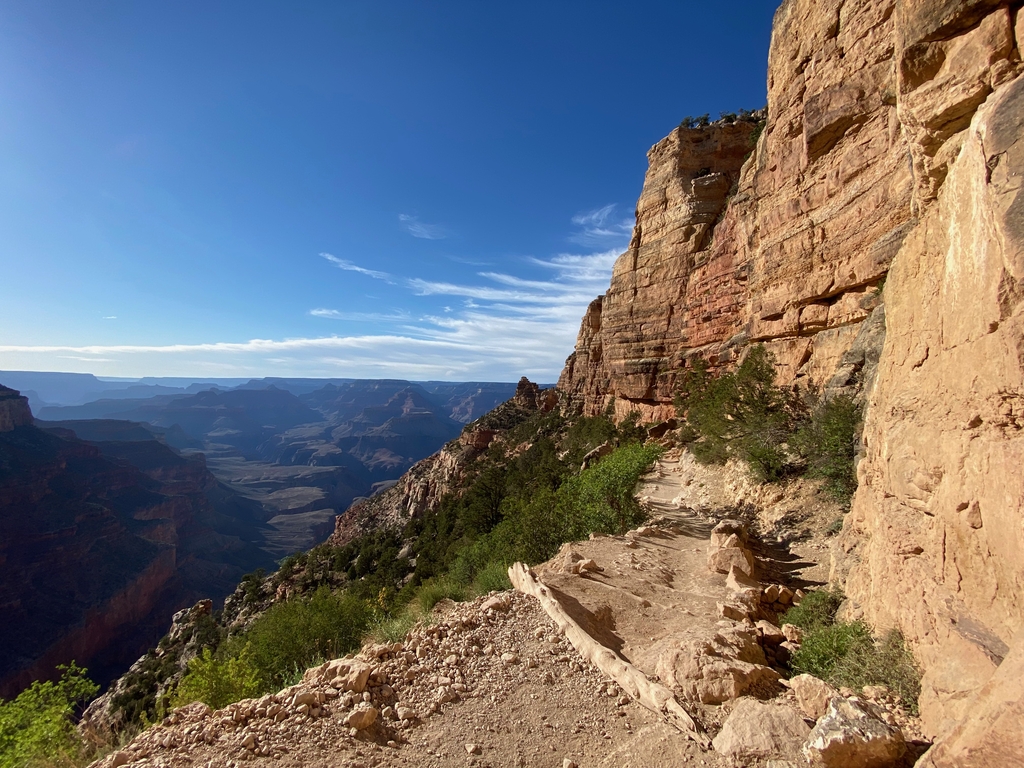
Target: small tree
[828, 442]
[37, 727]
[740, 414]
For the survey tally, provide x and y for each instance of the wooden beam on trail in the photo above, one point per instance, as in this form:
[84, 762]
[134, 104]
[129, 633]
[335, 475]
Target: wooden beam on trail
[654, 696]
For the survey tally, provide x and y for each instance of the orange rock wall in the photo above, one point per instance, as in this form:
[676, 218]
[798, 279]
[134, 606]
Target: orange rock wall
[893, 150]
[783, 248]
[938, 519]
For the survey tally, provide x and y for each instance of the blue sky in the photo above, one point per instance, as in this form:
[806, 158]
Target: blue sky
[426, 190]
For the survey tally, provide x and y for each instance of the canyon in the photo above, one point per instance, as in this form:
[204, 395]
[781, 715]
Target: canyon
[169, 499]
[867, 229]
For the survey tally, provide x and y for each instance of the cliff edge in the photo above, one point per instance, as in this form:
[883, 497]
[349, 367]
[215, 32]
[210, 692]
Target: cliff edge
[888, 171]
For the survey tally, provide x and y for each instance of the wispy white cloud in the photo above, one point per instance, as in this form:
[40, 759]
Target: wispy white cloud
[336, 314]
[348, 266]
[493, 326]
[602, 227]
[110, 317]
[419, 229]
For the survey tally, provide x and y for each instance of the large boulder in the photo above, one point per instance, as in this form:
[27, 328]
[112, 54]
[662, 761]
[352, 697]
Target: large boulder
[728, 664]
[757, 730]
[813, 694]
[852, 734]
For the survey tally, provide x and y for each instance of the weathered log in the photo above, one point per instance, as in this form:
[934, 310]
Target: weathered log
[655, 697]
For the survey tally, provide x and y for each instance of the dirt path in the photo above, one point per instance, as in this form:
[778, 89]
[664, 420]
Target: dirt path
[493, 682]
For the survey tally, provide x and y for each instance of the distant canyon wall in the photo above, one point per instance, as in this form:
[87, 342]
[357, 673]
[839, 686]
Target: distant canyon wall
[892, 157]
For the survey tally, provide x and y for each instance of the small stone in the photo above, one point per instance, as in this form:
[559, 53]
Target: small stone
[495, 603]
[731, 611]
[793, 633]
[406, 713]
[473, 749]
[509, 658]
[567, 763]
[119, 758]
[770, 632]
[771, 593]
[249, 742]
[360, 719]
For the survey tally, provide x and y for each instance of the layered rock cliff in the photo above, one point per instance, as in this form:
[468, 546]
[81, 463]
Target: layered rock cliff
[784, 248]
[891, 154]
[101, 542]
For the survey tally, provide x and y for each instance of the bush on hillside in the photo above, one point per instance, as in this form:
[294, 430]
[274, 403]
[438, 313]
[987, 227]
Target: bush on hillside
[828, 442]
[219, 682]
[817, 610]
[297, 633]
[37, 726]
[601, 497]
[739, 414]
[845, 654]
[438, 589]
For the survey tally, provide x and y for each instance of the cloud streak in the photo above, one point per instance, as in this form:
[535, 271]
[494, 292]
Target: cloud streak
[601, 228]
[489, 325]
[417, 228]
[367, 317]
[348, 266]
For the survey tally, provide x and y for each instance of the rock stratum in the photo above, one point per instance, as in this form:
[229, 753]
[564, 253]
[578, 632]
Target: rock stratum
[887, 173]
[101, 541]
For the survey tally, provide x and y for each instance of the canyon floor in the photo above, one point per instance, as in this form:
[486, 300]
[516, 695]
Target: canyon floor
[494, 682]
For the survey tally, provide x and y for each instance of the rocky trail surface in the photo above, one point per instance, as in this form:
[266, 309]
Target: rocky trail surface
[496, 682]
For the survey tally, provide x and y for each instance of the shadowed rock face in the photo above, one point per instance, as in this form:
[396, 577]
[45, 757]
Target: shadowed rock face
[892, 150]
[14, 410]
[100, 543]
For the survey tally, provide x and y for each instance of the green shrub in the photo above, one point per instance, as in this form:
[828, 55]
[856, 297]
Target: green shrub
[37, 727]
[393, 628]
[631, 430]
[438, 589]
[823, 648]
[828, 442]
[297, 633]
[886, 662]
[219, 682]
[817, 610]
[493, 578]
[740, 414]
[584, 436]
[845, 654]
[601, 497]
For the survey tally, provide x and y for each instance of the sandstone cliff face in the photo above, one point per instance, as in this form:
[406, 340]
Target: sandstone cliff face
[812, 224]
[941, 499]
[893, 142]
